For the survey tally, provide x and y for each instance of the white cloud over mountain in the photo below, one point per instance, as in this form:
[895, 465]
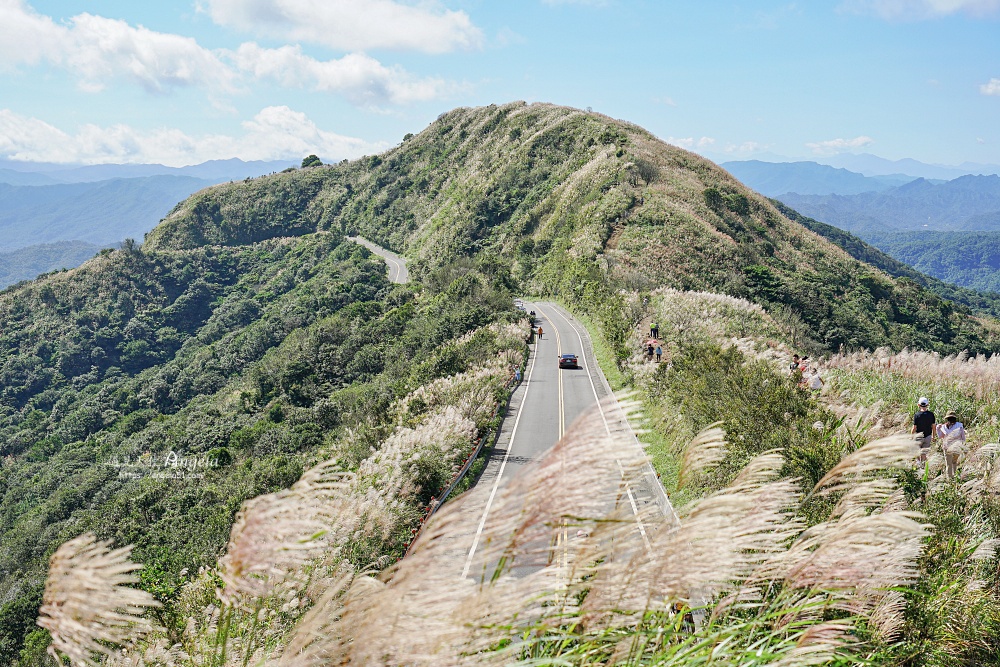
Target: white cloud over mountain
[363, 80]
[833, 146]
[99, 50]
[274, 133]
[352, 25]
[991, 87]
[690, 143]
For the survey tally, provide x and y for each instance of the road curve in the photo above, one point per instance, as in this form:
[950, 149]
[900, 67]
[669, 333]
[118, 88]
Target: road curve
[540, 410]
[396, 264]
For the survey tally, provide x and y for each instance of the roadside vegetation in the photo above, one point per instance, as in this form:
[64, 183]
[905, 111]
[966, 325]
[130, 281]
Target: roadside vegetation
[170, 387]
[246, 331]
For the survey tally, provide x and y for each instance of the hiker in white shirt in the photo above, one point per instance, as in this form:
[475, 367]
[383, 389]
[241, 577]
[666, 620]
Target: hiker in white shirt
[951, 435]
[815, 381]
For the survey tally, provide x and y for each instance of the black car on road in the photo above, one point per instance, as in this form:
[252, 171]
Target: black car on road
[568, 361]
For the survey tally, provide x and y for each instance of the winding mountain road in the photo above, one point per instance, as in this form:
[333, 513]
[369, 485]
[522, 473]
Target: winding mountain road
[540, 409]
[397, 265]
[557, 397]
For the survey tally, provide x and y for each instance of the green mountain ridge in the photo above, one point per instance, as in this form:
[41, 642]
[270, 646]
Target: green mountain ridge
[246, 330]
[562, 198]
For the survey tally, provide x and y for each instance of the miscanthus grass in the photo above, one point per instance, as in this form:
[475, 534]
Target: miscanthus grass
[88, 606]
[566, 573]
[565, 576]
[292, 554]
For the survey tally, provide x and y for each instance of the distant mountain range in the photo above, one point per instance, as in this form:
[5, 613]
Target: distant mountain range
[57, 216]
[968, 203]
[808, 178]
[43, 173]
[99, 213]
[947, 229]
[872, 165]
[28, 263]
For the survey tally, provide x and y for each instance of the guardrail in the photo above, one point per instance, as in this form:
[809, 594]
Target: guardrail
[437, 501]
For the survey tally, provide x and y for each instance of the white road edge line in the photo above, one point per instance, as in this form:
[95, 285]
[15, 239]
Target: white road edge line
[628, 488]
[503, 464]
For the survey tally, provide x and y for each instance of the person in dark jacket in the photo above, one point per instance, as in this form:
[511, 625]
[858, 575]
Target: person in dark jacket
[923, 426]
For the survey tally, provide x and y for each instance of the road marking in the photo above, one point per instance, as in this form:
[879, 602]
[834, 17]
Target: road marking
[628, 488]
[503, 464]
[559, 374]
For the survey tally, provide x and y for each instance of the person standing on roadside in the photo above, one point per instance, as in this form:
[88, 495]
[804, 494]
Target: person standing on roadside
[659, 351]
[923, 426]
[539, 331]
[951, 435]
[654, 330]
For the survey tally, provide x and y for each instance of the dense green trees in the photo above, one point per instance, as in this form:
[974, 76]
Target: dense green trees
[250, 357]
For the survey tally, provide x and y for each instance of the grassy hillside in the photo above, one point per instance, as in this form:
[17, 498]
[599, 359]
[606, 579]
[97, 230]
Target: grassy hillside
[567, 201]
[248, 338]
[244, 361]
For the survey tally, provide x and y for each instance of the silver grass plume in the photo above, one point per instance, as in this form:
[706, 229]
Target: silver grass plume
[721, 541]
[562, 531]
[865, 464]
[528, 566]
[276, 534]
[706, 451]
[88, 606]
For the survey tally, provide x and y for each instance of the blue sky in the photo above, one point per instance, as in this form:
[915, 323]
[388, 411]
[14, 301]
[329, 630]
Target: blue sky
[187, 81]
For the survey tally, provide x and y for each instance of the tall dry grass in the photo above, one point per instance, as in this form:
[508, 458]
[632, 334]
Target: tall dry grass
[567, 573]
[88, 606]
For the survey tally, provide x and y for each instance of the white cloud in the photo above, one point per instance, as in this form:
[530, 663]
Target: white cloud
[275, 133]
[991, 87]
[690, 143]
[746, 147]
[361, 79]
[915, 10]
[100, 51]
[352, 25]
[833, 146]
[26, 36]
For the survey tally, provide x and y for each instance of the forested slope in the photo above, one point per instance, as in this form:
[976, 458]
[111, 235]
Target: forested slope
[246, 332]
[567, 201]
[241, 360]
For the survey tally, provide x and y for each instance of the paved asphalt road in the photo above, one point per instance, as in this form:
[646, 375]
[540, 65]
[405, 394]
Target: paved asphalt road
[541, 409]
[396, 264]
